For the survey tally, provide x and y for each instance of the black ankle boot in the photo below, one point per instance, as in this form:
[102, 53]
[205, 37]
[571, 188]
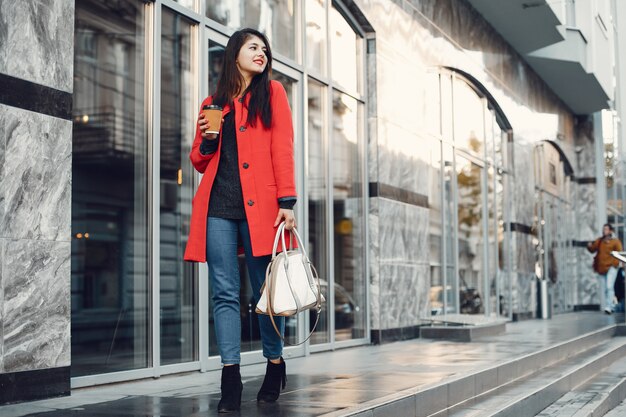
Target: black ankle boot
[275, 376]
[231, 389]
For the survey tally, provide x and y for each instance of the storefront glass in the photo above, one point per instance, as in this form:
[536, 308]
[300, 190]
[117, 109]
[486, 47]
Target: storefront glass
[317, 188]
[275, 18]
[132, 138]
[470, 236]
[179, 306]
[110, 283]
[345, 56]
[349, 272]
[316, 38]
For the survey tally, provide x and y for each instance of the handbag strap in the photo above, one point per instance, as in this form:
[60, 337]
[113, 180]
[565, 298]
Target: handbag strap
[318, 309]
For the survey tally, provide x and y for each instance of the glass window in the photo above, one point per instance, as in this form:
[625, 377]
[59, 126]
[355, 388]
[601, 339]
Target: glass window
[469, 127]
[216, 62]
[187, 3]
[435, 234]
[348, 233]
[178, 291]
[317, 186]
[275, 18]
[345, 52]
[431, 104]
[446, 107]
[316, 41]
[450, 283]
[470, 236]
[110, 286]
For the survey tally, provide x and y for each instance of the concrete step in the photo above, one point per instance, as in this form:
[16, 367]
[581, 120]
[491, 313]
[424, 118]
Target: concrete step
[595, 397]
[619, 411]
[530, 395]
[438, 399]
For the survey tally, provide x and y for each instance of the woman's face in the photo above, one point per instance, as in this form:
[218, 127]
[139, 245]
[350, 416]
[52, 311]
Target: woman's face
[251, 59]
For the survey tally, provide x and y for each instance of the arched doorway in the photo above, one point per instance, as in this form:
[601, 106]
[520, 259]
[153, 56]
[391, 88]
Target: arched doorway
[554, 225]
[469, 219]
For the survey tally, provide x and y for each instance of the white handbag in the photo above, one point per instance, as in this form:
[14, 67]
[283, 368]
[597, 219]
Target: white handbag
[291, 282]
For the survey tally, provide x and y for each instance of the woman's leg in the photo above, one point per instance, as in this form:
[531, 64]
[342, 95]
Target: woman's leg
[225, 284]
[610, 289]
[272, 344]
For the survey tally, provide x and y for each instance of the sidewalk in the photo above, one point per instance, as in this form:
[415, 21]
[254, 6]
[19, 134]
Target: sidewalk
[324, 382]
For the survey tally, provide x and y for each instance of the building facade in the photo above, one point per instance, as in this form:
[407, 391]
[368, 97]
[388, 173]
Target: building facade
[445, 165]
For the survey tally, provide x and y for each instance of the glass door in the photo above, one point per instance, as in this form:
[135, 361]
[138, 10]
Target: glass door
[110, 229]
[178, 286]
[471, 236]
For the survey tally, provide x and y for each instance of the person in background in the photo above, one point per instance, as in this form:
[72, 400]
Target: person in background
[247, 189]
[605, 265]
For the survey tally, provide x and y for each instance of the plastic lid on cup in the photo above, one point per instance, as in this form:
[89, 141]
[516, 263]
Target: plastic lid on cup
[211, 107]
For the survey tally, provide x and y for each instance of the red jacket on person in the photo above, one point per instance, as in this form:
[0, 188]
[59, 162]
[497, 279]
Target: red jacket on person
[266, 170]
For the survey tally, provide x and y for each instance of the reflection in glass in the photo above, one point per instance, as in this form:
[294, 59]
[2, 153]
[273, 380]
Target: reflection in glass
[317, 186]
[250, 334]
[469, 128]
[216, 63]
[451, 285]
[345, 52]
[470, 236]
[178, 291]
[274, 18]
[187, 3]
[316, 35]
[435, 235]
[110, 291]
[446, 107]
[348, 233]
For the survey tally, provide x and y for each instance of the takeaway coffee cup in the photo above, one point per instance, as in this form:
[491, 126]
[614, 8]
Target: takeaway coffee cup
[213, 114]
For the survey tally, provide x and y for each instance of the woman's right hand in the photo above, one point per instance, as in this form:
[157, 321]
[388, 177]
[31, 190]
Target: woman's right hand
[203, 125]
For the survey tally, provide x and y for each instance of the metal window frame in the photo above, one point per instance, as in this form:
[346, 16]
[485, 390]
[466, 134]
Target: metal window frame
[203, 30]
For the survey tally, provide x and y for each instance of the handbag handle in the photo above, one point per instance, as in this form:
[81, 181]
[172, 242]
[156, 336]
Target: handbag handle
[316, 278]
[280, 235]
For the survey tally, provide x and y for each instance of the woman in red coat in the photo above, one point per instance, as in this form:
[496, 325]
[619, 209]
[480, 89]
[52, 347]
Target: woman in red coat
[247, 189]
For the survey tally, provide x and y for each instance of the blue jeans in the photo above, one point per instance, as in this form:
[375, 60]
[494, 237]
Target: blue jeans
[607, 284]
[222, 238]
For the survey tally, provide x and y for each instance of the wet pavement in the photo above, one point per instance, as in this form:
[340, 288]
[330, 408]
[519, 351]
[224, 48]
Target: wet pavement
[323, 382]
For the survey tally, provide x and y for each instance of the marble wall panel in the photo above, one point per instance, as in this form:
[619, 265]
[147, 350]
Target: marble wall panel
[585, 162]
[372, 150]
[403, 232]
[523, 190]
[374, 263]
[2, 256]
[452, 33]
[36, 307]
[524, 253]
[588, 281]
[586, 212]
[2, 159]
[41, 35]
[35, 182]
[403, 295]
[525, 294]
[402, 158]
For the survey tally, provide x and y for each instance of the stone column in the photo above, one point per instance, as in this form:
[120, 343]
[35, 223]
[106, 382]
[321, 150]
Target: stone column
[36, 80]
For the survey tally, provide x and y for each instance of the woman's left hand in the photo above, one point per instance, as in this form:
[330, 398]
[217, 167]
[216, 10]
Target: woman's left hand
[287, 215]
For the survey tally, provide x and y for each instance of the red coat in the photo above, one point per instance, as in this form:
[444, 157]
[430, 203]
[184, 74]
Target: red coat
[266, 170]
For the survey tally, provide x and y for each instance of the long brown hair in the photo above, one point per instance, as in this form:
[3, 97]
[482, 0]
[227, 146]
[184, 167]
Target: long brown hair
[231, 80]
